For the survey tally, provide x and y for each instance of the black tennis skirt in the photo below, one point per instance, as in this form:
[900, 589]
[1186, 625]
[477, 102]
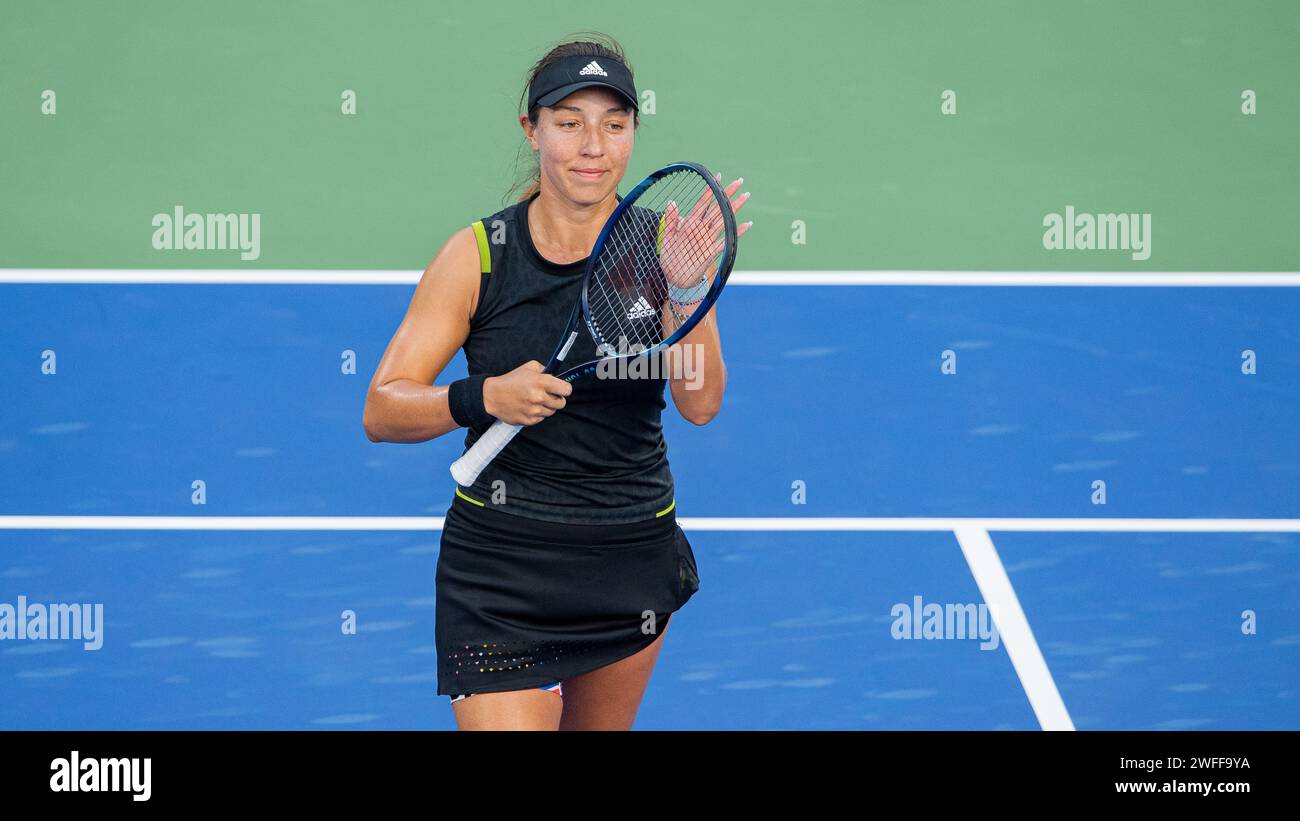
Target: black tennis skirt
[524, 603]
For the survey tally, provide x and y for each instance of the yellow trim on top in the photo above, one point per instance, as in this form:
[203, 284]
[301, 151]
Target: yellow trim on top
[484, 251]
[665, 510]
[466, 498]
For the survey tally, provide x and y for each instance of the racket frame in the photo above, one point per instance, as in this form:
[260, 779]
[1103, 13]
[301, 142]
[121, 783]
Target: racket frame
[583, 307]
[500, 433]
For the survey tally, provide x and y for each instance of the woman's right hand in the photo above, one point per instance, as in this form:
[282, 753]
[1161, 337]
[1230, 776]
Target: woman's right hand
[525, 396]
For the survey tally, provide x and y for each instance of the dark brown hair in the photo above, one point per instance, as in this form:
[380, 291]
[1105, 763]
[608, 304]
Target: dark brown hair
[591, 43]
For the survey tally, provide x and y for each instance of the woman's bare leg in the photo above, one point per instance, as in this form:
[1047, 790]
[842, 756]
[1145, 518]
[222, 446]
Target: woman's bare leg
[608, 698]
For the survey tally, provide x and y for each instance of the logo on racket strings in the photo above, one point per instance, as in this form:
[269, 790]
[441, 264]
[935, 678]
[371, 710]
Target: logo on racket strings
[642, 310]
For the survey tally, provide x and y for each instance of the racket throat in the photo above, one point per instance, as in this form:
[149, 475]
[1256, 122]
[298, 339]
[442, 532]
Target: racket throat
[568, 343]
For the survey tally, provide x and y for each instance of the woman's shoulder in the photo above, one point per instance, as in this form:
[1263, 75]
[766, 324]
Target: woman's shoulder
[466, 254]
[455, 266]
[493, 231]
[466, 243]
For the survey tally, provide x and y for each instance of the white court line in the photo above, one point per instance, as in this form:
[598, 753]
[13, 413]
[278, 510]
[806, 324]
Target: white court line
[1013, 629]
[254, 276]
[701, 523]
[1089, 279]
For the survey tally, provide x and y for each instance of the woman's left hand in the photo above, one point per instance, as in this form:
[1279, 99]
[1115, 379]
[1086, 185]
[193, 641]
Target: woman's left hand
[683, 262]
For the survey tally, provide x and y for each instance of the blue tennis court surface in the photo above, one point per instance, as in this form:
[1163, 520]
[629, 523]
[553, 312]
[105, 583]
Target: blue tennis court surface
[837, 391]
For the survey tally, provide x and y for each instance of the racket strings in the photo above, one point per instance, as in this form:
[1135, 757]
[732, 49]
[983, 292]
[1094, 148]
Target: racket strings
[656, 264]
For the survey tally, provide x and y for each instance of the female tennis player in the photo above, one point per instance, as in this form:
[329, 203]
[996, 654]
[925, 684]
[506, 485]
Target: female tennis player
[561, 565]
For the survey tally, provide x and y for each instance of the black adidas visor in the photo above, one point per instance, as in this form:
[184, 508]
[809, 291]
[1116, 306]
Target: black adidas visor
[570, 74]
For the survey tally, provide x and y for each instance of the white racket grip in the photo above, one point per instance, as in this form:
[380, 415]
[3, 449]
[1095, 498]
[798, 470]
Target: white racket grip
[467, 468]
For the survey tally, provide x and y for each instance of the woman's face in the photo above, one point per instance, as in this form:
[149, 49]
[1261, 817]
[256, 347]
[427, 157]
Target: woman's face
[583, 142]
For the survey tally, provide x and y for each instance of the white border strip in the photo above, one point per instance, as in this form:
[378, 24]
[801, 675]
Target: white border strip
[254, 276]
[759, 524]
[1013, 629]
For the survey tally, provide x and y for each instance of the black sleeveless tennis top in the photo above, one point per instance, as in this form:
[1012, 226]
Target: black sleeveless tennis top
[601, 459]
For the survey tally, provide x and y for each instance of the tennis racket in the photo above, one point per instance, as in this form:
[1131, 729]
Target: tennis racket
[657, 267]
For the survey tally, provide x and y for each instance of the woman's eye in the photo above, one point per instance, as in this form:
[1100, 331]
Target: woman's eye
[616, 126]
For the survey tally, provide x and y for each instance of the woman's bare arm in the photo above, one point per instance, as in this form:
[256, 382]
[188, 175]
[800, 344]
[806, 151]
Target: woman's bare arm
[698, 376]
[403, 404]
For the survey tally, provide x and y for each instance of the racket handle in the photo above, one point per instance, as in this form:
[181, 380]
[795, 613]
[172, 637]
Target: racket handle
[467, 468]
